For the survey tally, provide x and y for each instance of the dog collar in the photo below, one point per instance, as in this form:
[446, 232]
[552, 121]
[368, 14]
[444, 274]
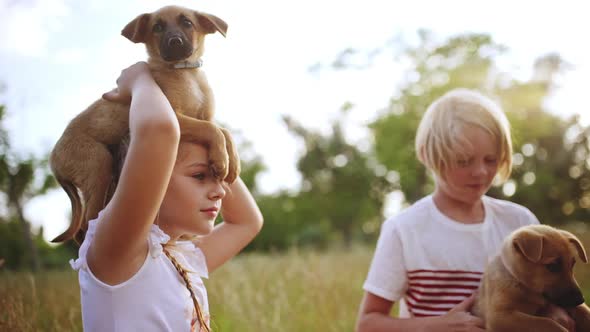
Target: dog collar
[188, 65]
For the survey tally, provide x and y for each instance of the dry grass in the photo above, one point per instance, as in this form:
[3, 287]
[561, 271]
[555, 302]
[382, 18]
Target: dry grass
[294, 291]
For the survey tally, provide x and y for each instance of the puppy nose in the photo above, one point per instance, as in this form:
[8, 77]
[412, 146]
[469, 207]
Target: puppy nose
[175, 41]
[571, 298]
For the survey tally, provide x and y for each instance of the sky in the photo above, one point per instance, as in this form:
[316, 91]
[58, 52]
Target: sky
[58, 56]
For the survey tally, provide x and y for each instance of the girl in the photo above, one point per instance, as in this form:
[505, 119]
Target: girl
[431, 256]
[137, 271]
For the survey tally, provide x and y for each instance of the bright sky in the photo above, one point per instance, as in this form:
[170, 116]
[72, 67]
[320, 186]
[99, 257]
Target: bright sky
[58, 56]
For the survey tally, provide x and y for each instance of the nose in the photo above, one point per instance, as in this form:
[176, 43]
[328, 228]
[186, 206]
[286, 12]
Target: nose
[570, 298]
[217, 192]
[175, 41]
[479, 169]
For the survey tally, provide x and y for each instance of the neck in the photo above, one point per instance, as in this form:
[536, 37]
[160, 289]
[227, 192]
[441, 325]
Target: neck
[463, 212]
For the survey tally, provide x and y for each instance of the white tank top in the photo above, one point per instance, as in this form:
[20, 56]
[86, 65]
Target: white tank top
[154, 299]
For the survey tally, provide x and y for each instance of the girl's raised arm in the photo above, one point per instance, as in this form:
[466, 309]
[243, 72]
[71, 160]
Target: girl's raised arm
[119, 246]
[242, 221]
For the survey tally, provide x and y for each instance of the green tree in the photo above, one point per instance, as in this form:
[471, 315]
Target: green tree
[19, 183]
[550, 173]
[343, 185]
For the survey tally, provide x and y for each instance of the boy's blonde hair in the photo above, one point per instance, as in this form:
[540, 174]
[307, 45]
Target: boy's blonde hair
[440, 142]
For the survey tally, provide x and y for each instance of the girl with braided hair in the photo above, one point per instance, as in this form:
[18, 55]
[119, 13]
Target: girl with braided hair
[142, 260]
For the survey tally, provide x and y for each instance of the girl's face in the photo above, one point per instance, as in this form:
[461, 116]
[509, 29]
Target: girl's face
[193, 198]
[468, 180]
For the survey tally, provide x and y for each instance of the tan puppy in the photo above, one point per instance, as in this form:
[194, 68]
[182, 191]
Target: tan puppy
[82, 158]
[533, 269]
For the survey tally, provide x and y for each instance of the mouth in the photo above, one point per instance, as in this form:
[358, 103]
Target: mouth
[211, 212]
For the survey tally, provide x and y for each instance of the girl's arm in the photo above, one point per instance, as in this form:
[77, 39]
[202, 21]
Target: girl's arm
[120, 246]
[374, 316]
[242, 221]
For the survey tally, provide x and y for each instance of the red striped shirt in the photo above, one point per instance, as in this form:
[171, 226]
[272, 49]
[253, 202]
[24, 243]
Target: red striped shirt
[435, 292]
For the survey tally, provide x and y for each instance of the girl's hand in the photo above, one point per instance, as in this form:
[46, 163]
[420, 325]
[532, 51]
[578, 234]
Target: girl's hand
[460, 319]
[130, 78]
[560, 316]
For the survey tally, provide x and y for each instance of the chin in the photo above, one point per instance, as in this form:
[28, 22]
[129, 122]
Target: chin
[206, 230]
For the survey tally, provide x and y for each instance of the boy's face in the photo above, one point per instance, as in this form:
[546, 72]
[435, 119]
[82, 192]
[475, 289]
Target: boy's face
[193, 197]
[470, 178]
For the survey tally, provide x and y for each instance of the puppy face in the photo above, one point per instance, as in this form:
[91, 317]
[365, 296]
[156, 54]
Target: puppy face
[543, 258]
[173, 33]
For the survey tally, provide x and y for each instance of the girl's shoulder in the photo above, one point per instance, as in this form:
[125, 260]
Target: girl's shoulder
[156, 239]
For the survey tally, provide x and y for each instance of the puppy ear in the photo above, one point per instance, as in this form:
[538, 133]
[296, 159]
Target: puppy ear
[577, 244]
[211, 23]
[136, 30]
[530, 245]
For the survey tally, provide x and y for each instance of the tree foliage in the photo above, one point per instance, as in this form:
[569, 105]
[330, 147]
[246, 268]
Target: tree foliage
[550, 174]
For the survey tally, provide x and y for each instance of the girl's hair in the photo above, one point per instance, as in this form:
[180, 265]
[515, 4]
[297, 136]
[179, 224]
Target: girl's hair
[187, 282]
[440, 141]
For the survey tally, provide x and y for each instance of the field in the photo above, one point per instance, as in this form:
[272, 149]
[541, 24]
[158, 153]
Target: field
[288, 292]
[294, 291]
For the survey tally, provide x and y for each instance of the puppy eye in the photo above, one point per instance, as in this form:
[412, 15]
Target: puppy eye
[158, 28]
[554, 267]
[187, 23]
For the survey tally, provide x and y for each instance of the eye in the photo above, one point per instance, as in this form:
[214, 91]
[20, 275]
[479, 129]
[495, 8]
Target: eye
[158, 28]
[186, 22]
[491, 160]
[554, 267]
[200, 176]
[462, 162]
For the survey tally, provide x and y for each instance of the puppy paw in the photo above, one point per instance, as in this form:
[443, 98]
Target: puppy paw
[218, 156]
[234, 159]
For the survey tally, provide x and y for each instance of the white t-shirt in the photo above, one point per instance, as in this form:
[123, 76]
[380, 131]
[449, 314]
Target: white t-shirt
[154, 299]
[431, 262]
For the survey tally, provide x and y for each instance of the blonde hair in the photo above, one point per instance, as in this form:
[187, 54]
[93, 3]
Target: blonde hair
[440, 141]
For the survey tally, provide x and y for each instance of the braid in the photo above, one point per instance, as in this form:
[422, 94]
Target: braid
[184, 274]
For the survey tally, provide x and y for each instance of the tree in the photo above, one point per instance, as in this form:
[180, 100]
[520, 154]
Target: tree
[343, 185]
[17, 183]
[551, 173]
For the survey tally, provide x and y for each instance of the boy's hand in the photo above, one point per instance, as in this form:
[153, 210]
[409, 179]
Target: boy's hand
[460, 319]
[130, 78]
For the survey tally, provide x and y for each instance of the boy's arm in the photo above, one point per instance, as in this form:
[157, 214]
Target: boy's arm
[374, 317]
[242, 221]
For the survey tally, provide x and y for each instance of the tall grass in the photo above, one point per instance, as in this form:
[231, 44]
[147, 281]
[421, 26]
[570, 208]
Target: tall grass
[293, 291]
[297, 291]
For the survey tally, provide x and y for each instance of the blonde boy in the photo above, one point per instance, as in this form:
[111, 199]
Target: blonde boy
[431, 256]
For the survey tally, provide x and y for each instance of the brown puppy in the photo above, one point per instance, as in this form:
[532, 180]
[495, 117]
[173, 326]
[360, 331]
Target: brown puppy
[82, 159]
[533, 269]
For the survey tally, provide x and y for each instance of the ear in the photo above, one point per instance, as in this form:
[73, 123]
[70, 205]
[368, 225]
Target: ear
[577, 244]
[136, 29]
[530, 245]
[211, 23]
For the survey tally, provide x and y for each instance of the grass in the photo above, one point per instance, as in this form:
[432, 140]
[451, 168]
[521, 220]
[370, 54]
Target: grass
[294, 291]
[288, 292]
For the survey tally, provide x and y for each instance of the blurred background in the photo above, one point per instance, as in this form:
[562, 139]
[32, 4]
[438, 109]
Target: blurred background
[324, 98]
